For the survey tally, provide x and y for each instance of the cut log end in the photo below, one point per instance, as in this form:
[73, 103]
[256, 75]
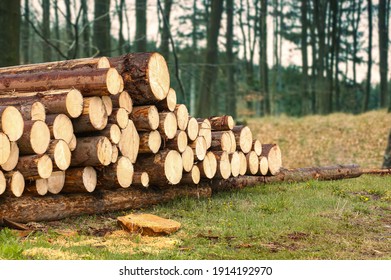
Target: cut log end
[171, 100]
[38, 112]
[56, 182]
[41, 186]
[121, 117]
[200, 148]
[3, 183]
[73, 144]
[130, 142]
[103, 63]
[62, 128]
[257, 147]
[235, 164]
[12, 123]
[97, 113]
[273, 154]
[45, 166]
[39, 137]
[108, 104]
[263, 165]
[246, 139]
[223, 166]
[5, 148]
[208, 166]
[252, 163]
[206, 131]
[13, 158]
[125, 172]
[192, 129]
[173, 167]
[158, 76]
[243, 163]
[182, 116]
[114, 81]
[17, 184]
[188, 159]
[141, 179]
[62, 155]
[169, 125]
[125, 101]
[74, 103]
[154, 141]
[104, 151]
[89, 178]
[115, 133]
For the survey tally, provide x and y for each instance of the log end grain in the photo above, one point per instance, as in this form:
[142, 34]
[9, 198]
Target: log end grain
[39, 137]
[158, 76]
[104, 151]
[257, 147]
[97, 113]
[62, 128]
[74, 103]
[208, 167]
[246, 139]
[235, 164]
[108, 104]
[273, 155]
[89, 178]
[115, 133]
[188, 159]
[125, 172]
[154, 141]
[62, 155]
[192, 129]
[45, 166]
[263, 165]
[5, 148]
[252, 163]
[200, 148]
[56, 182]
[38, 111]
[13, 158]
[12, 123]
[171, 100]
[170, 125]
[41, 186]
[153, 117]
[130, 142]
[243, 163]
[73, 144]
[182, 115]
[223, 166]
[114, 81]
[3, 183]
[173, 167]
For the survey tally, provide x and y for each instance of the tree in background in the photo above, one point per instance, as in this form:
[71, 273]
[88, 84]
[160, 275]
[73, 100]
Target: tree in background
[9, 32]
[264, 69]
[102, 38]
[206, 106]
[165, 33]
[383, 51]
[231, 83]
[46, 52]
[141, 26]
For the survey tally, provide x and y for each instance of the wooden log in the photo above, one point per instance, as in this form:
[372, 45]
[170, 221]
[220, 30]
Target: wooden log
[187, 159]
[322, 173]
[164, 168]
[60, 154]
[182, 116]
[252, 163]
[222, 122]
[167, 124]
[234, 159]
[13, 158]
[221, 141]
[94, 108]
[70, 64]
[11, 122]
[223, 165]
[145, 118]
[35, 138]
[130, 142]
[208, 167]
[32, 166]
[257, 147]
[263, 166]
[178, 143]
[60, 127]
[273, 154]
[244, 138]
[192, 129]
[5, 148]
[115, 154]
[35, 111]
[56, 182]
[150, 142]
[72, 145]
[145, 75]
[3, 183]
[205, 131]
[15, 183]
[243, 163]
[193, 177]
[92, 151]
[169, 103]
[56, 207]
[117, 175]
[108, 104]
[80, 179]
[91, 82]
[199, 147]
[38, 187]
[120, 117]
[111, 131]
[140, 179]
[122, 100]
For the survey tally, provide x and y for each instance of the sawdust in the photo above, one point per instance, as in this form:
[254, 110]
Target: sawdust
[327, 140]
[50, 254]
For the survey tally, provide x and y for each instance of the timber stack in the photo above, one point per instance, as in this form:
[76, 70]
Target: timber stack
[102, 125]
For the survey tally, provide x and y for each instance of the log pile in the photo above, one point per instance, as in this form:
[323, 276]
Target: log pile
[101, 125]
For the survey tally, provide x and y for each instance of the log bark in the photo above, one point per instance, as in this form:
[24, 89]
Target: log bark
[60, 127]
[56, 207]
[145, 75]
[167, 124]
[192, 129]
[35, 138]
[94, 116]
[5, 148]
[117, 175]
[120, 117]
[145, 118]
[169, 103]
[130, 142]
[11, 122]
[222, 122]
[164, 168]
[80, 179]
[150, 142]
[92, 151]
[322, 173]
[91, 82]
[122, 100]
[111, 131]
[244, 138]
[178, 143]
[273, 154]
[71, 64]
[35, 111]
[33, 166]
[182, 116]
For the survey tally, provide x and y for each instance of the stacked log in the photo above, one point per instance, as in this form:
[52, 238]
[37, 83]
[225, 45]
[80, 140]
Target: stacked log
[89, 125]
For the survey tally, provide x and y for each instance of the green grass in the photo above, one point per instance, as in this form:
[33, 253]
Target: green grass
[348, 219]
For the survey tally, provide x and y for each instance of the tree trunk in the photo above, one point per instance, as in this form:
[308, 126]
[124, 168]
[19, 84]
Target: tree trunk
[165, 35]
[141, 26]
[9, 32]
[46, 50]
[306, 101]
[367, 93]
[383, 52]
[87, 30]
[25, 36]
[264, 70]
[209, 73]
[102, 27]
[231, 85]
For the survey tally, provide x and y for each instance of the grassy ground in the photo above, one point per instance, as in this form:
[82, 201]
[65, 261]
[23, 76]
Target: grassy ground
[348, 219]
